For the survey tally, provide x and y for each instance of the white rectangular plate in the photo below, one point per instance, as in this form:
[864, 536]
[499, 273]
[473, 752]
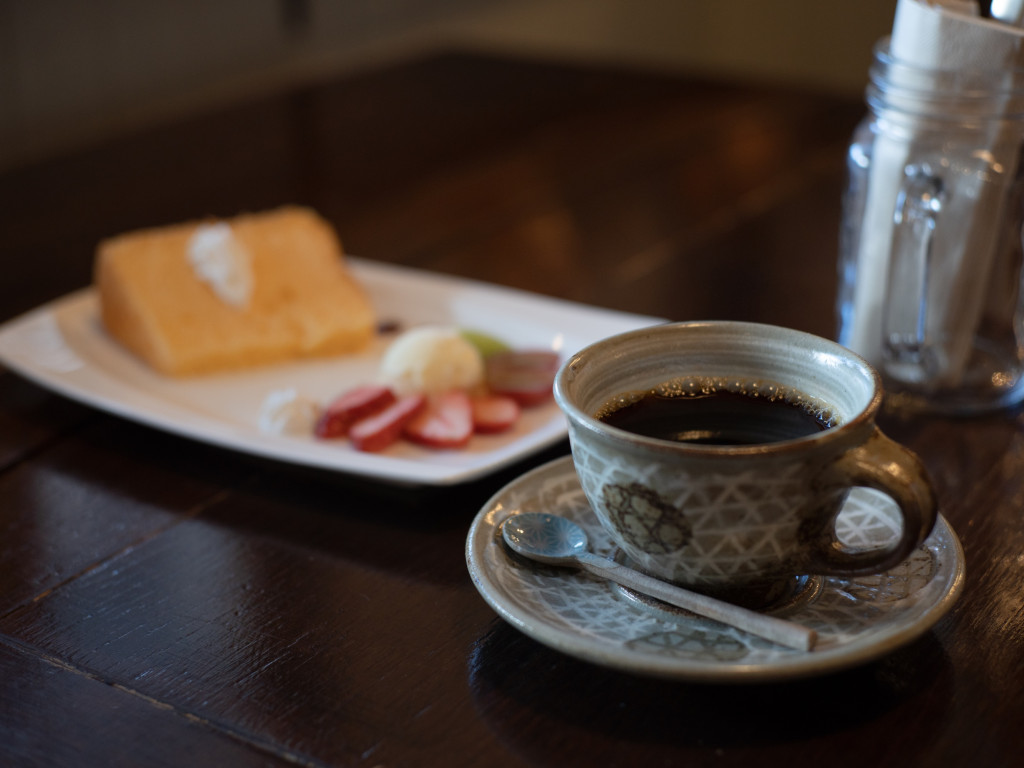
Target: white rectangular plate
[62, 346]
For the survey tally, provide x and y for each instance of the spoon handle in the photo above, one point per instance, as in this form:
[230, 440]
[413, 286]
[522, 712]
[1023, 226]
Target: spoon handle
[777, 630]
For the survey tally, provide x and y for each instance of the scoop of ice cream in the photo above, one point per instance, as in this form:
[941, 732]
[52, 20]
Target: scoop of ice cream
[431, 359]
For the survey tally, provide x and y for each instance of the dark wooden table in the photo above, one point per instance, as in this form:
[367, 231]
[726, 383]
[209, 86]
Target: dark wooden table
[163, 602]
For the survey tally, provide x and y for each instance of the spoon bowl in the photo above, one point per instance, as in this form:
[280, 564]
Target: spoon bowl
[545, 538]
[556, 540]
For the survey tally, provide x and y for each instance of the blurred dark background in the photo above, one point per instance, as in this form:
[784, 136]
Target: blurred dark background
[74, 73]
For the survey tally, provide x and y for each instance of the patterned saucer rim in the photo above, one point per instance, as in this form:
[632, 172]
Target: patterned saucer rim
[868, 618]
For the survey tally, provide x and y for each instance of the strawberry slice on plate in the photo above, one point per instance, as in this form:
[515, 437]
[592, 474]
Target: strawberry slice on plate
[445, 422]
[379, 430]
[526, 376]
[494, 413]
[351, 406]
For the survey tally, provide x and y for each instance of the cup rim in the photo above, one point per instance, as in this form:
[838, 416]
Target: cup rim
[840, 432]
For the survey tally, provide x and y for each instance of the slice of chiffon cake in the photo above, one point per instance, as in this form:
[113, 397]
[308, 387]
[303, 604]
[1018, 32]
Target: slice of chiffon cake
[227, 294]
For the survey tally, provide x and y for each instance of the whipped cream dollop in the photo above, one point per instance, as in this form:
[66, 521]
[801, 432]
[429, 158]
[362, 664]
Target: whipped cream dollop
[286, 412]
[223, 262]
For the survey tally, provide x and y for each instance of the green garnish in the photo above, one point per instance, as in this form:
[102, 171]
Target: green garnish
[485, 344]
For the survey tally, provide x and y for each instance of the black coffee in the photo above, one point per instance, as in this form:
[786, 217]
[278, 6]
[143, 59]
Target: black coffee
[720, 417]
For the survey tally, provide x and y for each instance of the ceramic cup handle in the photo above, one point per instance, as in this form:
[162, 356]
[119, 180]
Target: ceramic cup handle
[886, 466]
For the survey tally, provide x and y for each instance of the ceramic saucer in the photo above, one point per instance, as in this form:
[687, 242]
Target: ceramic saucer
[857, 619]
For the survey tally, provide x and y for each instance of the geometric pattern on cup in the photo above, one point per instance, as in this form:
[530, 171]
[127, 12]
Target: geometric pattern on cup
[698, 527]
[644, 519]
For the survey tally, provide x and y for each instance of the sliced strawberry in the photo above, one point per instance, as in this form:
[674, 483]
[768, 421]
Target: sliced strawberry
[446, 421]
[351, 406]
[494, 413]
[524, 375]
[379, 430]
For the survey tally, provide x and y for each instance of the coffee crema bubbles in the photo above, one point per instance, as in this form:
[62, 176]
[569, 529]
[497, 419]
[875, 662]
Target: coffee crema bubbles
[715, 411]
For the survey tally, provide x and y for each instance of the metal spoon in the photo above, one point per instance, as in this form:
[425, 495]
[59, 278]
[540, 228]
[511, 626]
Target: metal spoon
[558, 541]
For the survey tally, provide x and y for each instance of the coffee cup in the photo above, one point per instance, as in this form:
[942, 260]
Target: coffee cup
[718, 455]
